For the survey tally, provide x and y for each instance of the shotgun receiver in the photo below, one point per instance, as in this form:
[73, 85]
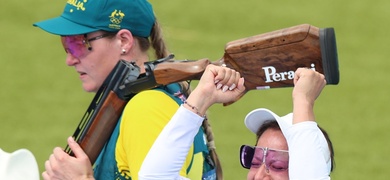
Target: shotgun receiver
[265, 61]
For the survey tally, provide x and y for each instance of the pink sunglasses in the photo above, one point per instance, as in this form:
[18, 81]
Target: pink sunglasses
[78, 45]
[254, 157]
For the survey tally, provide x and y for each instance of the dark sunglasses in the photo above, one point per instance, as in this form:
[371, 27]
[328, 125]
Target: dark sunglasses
[79, 45]
[276, 160]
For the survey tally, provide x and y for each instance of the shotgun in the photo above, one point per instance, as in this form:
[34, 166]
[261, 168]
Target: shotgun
[266, 61]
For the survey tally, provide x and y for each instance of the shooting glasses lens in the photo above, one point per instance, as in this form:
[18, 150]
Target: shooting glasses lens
[78, 45]
[276, 160]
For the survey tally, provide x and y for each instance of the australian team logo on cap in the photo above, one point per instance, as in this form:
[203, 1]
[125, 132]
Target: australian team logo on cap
[78, 4]
[116, 18]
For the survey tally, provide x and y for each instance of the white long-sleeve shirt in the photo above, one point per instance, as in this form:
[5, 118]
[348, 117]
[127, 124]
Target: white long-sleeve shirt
[309, 154]
[169, 151]
[309, 159]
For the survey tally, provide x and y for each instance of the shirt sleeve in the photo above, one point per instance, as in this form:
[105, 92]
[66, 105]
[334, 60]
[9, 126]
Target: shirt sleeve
[143, 119]
[169, 151]
[308, 151]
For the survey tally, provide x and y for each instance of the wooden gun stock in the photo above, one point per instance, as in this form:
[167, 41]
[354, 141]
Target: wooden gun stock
[265, 61]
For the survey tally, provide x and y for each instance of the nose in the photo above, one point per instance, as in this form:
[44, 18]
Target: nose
[262, 173]
[71, 60]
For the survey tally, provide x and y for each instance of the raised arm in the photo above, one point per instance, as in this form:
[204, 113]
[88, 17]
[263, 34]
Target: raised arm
[308, 149]
[168, 153]
[308, 85]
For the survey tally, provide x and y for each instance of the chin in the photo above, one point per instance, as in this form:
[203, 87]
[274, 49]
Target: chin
[90, 88]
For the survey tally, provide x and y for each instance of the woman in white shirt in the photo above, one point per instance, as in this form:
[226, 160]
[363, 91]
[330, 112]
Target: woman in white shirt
[286, 150]
[165, 158]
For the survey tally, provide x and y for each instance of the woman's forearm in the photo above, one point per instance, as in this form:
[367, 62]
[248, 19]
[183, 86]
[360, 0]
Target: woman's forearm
[168, 153]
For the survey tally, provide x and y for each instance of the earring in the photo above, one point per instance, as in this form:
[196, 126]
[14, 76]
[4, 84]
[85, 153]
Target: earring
[123, 51]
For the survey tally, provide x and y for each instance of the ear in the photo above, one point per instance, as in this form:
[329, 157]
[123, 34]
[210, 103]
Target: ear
[126, 39]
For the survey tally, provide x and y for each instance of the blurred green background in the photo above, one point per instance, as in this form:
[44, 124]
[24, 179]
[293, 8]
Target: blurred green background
[42, 100]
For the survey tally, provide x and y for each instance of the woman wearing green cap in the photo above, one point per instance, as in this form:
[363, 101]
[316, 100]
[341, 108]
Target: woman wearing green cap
[96, 34]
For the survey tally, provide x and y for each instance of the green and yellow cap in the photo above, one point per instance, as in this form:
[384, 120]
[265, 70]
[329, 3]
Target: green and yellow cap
[85, 16]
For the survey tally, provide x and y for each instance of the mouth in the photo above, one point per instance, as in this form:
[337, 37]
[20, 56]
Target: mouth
[81, 74]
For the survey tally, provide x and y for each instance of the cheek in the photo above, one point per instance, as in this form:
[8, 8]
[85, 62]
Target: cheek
[104, 62]
[251, 173]
[280, 175]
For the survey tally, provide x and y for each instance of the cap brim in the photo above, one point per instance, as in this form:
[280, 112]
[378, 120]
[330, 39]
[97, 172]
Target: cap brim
[256, 118]
[63, 27]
